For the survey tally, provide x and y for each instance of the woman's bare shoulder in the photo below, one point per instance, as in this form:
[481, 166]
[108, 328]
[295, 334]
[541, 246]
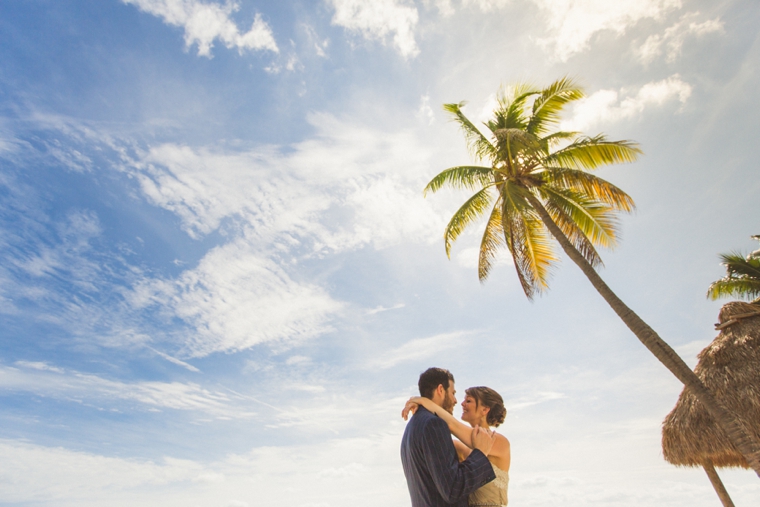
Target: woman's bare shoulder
[502, 444]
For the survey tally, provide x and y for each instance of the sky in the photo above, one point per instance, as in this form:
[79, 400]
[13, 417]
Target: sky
[220, 278]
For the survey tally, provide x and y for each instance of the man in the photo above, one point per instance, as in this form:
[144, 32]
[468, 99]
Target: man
[434, 475]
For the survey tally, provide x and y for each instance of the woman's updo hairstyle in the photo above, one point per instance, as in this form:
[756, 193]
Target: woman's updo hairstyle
[489, 398]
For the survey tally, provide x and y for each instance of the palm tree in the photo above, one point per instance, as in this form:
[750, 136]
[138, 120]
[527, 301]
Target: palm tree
[538, 186]
[742, 278]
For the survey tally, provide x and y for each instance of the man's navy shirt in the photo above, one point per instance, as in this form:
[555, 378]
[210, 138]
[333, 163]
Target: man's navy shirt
[434, 475]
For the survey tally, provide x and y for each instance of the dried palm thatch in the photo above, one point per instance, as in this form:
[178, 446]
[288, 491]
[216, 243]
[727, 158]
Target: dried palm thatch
[730, 368]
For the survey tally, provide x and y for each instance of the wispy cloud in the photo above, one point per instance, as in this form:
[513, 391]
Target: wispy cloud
[345, 188]
[445, 7]
[421, 348]
[672, 40]
[205, 22]
[608, 106]
[469, 258]
[236, 299]
[378, 19]
[534, 399]
[425, 112]
[174, 360]
[572, 23]
[487, 5]
[47, 380]
[53, 271]
[60, 476]
[381, 309]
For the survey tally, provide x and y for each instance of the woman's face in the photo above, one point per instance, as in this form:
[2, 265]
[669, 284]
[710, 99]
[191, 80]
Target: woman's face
[470, 410]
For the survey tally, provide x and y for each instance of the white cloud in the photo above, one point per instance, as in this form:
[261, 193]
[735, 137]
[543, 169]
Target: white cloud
[381, 309]
[558, 458]
[46, 380]
[425, 112]
[345, 188]
[487, 5]
[608, 106]
[205, 22]
[75, 234]
[298, 360]
[469, 258]
[291, 63]
[174, 360]
[71, 158]
[445, 8]
[236, 298]
[533, 399]
[572, 23]
[378, 19]
[308, 474]
[319, 44]
[420, 348]
[56, 271]
[672, 40]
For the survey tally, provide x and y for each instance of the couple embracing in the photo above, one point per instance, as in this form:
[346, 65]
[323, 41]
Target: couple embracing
[469, 471]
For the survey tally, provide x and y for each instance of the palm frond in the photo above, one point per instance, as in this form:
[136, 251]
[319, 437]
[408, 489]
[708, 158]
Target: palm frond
[517, 137]
[513, 143]
[527, 240]
[477, 143]
[589, 184]
[737, 265]
[595, 219]
[548, 106]
[493, 240]
[728, 287]
[511, 112]
[573, 233]
[592, 152]
[515, 95]
[742, 278]
[555, 138]
[473, 208]
[461, 177]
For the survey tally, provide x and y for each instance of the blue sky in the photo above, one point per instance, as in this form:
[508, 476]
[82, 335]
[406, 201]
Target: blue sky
[220, 278]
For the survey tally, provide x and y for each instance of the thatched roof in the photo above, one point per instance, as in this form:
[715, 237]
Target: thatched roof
[730, 368]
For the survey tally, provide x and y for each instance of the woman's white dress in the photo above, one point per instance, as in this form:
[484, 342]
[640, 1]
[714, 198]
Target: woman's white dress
[493, 494]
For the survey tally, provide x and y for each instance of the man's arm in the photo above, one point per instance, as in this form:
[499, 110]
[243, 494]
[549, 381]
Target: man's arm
[453, 480]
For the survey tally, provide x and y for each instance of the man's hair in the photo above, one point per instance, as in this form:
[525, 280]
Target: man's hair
[431, 378]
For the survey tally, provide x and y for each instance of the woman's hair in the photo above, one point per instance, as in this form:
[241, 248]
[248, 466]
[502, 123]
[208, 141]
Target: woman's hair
[489, 398]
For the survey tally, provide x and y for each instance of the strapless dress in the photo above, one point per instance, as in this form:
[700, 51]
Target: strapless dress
[493, 494]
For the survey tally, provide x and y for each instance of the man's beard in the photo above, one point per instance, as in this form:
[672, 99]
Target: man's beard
[448, 405]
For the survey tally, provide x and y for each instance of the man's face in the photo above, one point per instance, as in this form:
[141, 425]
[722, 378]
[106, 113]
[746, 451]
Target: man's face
[450, 400]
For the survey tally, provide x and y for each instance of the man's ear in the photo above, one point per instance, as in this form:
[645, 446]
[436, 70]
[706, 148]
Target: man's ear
[439, 393]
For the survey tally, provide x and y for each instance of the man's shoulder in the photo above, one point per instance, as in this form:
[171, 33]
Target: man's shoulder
[423, 419]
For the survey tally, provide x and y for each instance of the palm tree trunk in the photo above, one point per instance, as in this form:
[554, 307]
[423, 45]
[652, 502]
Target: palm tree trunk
[717, 484]
[729, 422]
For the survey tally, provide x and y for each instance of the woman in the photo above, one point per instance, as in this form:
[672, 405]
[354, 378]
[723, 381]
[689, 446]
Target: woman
[484, 407]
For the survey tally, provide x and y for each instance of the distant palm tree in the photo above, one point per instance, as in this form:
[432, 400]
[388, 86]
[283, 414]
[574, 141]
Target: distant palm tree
[742, 278]
[537, 187]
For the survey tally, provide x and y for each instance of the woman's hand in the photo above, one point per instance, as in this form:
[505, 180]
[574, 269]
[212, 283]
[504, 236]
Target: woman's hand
[410, 407]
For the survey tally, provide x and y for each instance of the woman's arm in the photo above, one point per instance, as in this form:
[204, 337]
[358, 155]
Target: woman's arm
[457, 428]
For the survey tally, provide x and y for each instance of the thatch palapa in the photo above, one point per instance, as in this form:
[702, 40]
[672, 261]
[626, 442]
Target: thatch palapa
[730, 368]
